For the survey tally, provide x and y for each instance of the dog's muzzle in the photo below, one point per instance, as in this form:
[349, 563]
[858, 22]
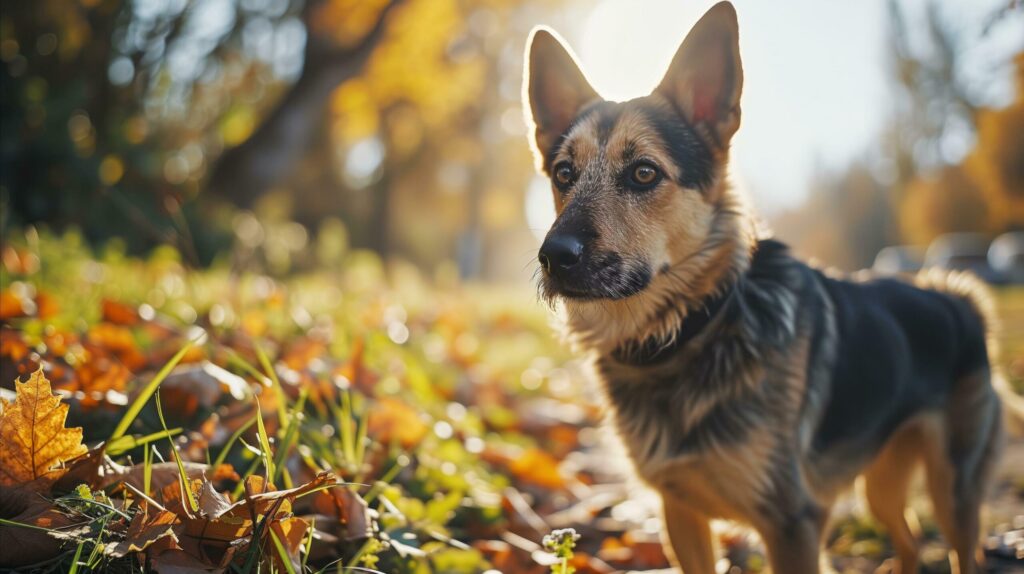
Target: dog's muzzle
[560, 254]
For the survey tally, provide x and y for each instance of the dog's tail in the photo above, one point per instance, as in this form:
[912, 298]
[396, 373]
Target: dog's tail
[974, 291]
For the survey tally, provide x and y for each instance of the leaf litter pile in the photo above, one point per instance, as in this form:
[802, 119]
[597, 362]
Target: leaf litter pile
[160, 419]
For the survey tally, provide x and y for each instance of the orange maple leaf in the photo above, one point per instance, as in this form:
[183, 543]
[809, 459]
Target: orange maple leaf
[33, 441]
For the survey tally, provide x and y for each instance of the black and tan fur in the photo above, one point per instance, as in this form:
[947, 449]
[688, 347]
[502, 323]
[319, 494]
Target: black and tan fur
[745, 384]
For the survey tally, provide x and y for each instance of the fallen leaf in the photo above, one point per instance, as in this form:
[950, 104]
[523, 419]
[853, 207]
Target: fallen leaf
[346, 509]
[110, 338]
[33, 441]
[165, 473]
[46, 305]
[10, 305]
[291, 532]
[200, 385]
[20, 546]
[393, 420]
[119, 313]
[85, 469]
[145, 529]
[538, 467]
[98, 378]
[13, 345]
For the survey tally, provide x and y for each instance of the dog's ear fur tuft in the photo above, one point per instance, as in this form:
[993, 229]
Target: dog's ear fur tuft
[554, 89]
[705, 78]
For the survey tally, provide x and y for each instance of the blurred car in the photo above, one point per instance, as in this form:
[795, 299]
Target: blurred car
[1006, 257]
[964, 252]
[898, 259]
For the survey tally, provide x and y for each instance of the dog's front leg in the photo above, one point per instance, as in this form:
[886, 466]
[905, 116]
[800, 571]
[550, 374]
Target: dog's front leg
[688, 534]
[794, 546]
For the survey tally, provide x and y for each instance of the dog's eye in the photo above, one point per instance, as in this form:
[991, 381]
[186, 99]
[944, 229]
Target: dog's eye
[644, 174]
[563, 174]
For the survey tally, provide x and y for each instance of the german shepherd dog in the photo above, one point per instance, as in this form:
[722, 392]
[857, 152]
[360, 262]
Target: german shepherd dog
[745, 384]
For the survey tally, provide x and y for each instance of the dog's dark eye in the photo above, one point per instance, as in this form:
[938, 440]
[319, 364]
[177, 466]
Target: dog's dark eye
[563, 174]
[644, 174]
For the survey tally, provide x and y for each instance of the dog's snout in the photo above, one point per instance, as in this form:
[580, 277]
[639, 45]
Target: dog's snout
[560, 252]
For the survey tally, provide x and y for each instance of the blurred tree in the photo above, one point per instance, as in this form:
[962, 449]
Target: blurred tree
[997, 161]
[245, 172]
[946, 163]
[984, 192]
[111, 110]
[945, 200]
[120, 116]
[934, 104]
[846, 220]
[942, 185]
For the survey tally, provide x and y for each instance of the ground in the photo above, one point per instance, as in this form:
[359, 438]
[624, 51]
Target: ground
[462, 430]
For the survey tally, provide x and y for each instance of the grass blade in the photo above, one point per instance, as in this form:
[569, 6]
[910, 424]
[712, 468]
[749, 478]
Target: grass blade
[291, 436]
[186, 484]
[285, 559]
[309, 542]
[147, 392]
[268, 461]
[282, 399]
[74, 561]
[147, 469]
[231, 442]
[128, 442]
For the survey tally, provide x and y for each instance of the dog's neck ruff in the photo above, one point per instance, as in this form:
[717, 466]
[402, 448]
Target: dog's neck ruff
[654, 350]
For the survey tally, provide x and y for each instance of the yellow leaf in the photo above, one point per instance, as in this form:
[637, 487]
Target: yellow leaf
[33, 441]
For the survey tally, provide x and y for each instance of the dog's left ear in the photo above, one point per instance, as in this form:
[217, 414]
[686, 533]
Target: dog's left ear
[554, 89]
[705, 78]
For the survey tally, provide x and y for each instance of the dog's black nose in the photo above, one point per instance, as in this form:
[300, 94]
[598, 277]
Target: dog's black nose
[560, 252]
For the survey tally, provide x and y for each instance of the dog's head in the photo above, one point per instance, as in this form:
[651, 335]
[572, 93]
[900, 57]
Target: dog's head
[635, 183]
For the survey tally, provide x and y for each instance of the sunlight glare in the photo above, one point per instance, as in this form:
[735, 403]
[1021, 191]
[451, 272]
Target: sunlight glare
[625, 46]
[539, 206]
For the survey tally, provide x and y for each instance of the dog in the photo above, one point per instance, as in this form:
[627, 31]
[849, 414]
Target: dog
[745, 384]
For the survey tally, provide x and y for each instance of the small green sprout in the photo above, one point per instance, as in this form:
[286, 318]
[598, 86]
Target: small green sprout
[561, 543]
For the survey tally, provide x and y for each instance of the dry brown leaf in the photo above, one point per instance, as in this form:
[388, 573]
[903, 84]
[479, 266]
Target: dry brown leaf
[346, 510]
[21, 546]
[291, 532]
[33, 441]
[100, 472]
[145, 529]
[86, 469]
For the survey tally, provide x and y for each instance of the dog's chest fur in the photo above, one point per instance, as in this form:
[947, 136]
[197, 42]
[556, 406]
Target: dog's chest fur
[712, 423]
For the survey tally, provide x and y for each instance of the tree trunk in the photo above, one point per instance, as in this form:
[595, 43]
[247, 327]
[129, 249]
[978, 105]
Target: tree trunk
[245, 173]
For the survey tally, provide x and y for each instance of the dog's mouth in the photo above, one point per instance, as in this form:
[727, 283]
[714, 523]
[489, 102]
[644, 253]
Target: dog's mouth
[605, 276]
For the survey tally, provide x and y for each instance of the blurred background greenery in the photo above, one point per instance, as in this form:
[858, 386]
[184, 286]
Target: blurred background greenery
[252, 130]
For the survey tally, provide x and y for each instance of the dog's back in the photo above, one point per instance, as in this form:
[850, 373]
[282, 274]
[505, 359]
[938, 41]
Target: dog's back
[900, 349]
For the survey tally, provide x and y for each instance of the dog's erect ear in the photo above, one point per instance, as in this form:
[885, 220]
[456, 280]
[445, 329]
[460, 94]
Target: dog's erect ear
[554, 89]
[705, 78]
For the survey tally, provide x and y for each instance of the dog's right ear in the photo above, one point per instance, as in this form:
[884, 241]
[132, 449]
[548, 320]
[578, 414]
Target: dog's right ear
[705, 78]
[554, 90]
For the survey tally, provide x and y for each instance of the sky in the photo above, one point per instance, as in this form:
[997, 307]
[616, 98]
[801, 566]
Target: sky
[816, 78]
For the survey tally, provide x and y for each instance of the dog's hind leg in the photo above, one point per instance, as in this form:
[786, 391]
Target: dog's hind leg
[886, 484]
[959, 464]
